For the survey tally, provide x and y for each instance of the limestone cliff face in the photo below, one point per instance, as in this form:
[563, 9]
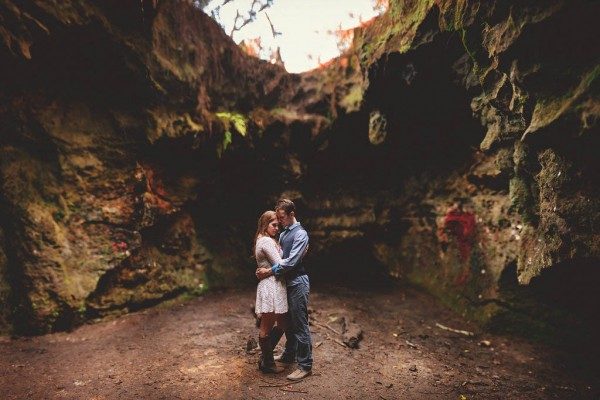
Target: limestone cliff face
[479, 159]
[453, 146]
[468, 207]
[109, 125]
[469, 167]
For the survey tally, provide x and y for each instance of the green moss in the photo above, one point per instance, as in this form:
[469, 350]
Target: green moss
[284, 113]
[167, 123]
[522, 200]
[58, 215]
[466, 46]
[394, 31]
[82, 310]
[377, 127]
[195, 292]
[504, 160]
[548, 110]
[461, 301]
[453, 15]
[352, 101]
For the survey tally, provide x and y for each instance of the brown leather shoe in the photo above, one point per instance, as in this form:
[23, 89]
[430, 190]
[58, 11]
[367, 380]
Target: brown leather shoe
[299, 374]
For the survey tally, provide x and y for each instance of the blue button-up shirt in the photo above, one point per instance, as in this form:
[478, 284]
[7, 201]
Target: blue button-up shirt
[293, 241]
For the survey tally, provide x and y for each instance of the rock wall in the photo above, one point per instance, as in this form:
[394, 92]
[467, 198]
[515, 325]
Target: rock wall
[454, 146]
[483, 209]
[109, 129]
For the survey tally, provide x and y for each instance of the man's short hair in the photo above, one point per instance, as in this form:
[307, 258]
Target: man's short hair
[286, 205]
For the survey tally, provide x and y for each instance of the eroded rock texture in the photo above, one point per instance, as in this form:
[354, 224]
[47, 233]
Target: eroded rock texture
[454, 146]
[512, 198]
[105, 113]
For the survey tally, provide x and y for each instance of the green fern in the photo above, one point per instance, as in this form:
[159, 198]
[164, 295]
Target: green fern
[231, 122]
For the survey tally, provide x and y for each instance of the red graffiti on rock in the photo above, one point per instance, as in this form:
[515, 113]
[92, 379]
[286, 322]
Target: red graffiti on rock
[461, 225]
[119, 246]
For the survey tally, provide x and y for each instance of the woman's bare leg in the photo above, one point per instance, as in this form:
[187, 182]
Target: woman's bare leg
[267, 321]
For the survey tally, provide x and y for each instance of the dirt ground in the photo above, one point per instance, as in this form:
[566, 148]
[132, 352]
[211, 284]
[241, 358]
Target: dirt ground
[197, 350]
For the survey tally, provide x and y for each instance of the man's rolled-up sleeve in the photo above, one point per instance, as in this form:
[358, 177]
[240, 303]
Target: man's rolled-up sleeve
[298, 248]
[276, 269]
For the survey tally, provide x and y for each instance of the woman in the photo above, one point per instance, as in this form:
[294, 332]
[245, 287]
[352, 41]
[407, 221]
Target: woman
[271, 294]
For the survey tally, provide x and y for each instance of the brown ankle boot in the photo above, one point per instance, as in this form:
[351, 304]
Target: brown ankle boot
[266, 363]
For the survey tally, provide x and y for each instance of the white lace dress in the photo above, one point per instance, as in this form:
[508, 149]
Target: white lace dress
[271, 293]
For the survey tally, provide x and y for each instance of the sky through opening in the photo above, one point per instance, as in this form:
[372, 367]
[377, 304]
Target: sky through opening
[303, 30]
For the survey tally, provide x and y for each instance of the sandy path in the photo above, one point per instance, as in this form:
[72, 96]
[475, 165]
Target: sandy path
[196, 350]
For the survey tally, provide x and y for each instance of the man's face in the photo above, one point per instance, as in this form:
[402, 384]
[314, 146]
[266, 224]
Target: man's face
[283, 218]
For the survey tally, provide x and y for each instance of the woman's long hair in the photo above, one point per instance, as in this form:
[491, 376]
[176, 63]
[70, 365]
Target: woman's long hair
[263, 223]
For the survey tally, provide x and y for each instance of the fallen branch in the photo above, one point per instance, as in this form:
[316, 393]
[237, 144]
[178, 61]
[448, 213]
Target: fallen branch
[444, 392]
[444, 327]
[292, 391]
[327, 327]
[279, 384]
[471, 382]
[414, 346]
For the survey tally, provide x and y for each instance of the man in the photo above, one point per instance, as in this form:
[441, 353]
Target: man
[294, 242]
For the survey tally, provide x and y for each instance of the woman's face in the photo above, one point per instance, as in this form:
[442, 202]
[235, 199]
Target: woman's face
[273, 227]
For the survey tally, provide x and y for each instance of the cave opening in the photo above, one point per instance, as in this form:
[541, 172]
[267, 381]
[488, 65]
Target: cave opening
[431, 134]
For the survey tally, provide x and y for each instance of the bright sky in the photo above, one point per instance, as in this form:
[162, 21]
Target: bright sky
[304, 26]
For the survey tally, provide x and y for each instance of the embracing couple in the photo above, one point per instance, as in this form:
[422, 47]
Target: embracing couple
[282, 293]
